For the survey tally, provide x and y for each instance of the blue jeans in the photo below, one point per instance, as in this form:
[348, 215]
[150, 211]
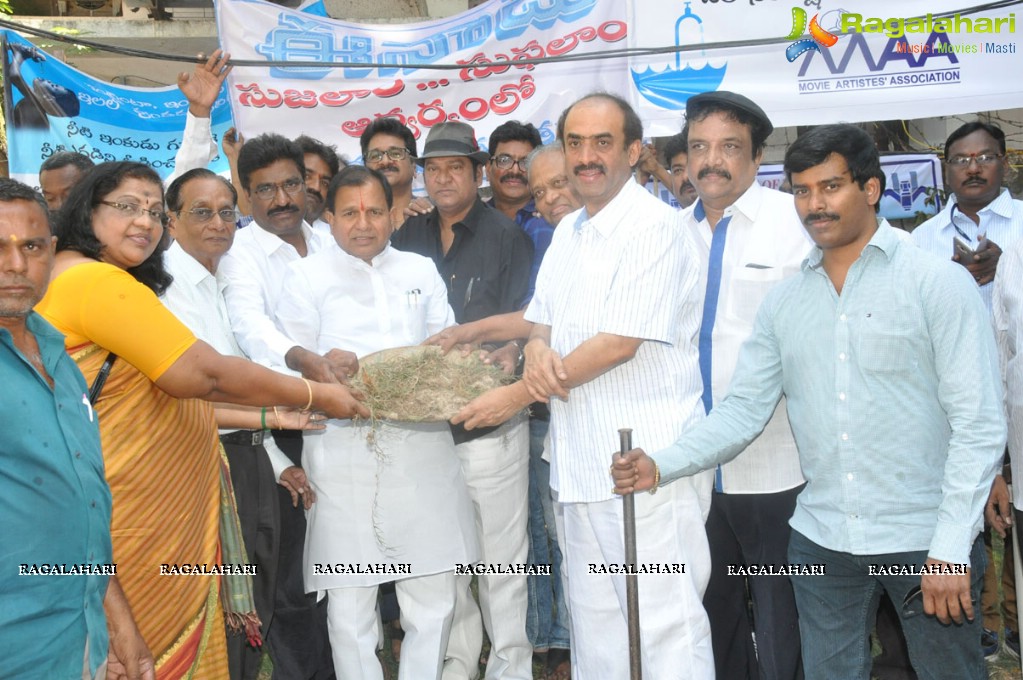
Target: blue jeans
[547, 614]
[837, 612]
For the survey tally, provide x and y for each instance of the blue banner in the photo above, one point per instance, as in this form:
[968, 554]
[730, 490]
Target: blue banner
[51, 107]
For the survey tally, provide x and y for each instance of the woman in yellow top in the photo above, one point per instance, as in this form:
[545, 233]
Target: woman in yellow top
[158, 432]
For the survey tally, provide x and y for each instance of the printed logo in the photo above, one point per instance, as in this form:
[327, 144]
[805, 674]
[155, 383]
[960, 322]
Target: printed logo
[671, 87]
[819, 37]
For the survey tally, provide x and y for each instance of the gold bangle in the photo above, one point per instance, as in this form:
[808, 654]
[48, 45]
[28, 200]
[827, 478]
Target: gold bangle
[309, 387]
[657, 479]
[277, 417]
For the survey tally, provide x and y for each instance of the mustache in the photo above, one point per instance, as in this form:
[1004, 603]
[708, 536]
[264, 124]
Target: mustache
[283, 209]
[600, 167]
[517, 177]
[714, 171]
[16, 280]
[314, 192]
[813, 217]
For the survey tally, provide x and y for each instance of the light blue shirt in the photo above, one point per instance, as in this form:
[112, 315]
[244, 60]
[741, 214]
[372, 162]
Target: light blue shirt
[894, 398]
[1001, 221]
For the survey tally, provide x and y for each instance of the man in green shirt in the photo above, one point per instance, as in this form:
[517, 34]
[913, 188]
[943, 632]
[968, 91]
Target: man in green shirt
[56, 570]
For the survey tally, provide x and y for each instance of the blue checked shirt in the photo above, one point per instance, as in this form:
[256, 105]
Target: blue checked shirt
[894, 398]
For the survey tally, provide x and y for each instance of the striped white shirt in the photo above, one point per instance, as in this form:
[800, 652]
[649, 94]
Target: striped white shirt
[629, 270]
[1001, 221]
[1008, 317]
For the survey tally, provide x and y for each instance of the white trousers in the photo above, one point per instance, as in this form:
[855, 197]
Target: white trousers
[675, 632]
[496, 470]
[427, 606]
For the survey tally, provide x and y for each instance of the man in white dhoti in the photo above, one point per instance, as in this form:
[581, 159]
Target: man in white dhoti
[394, 505]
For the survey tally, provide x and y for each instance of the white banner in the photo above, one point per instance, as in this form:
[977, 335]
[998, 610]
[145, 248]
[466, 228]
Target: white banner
[885, 66]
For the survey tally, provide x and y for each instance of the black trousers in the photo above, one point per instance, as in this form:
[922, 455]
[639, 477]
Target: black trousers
[298, 639]
[752, 529]
[255, 490]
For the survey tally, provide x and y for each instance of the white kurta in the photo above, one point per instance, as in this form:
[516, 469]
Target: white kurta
[402, 501]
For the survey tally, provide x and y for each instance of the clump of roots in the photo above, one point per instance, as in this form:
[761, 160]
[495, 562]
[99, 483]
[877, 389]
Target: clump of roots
[420, 384]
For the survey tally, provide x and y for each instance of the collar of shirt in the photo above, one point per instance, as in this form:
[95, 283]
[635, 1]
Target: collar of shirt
[525, 213]
[189, 269]
[614, 214]
[187, 266]
[884, 239]
[472, 218]
[747, 205]
[271, 243]
[1001, 206]
[49, 339]
[430, 222]
[522, 215]
[352, 261]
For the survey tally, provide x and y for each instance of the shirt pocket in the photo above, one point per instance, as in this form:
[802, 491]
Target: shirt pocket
[887, 341]
[413, 321]
[747, 289]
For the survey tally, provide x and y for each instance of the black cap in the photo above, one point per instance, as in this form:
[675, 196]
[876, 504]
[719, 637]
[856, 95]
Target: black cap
[730, 100]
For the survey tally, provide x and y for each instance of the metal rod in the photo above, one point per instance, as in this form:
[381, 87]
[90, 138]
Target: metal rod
[631, 580]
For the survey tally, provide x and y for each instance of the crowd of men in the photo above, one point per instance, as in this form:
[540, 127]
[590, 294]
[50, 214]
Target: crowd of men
[812, 391]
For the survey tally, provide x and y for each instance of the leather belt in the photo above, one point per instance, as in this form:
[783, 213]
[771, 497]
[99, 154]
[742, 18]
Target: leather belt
[244, 437]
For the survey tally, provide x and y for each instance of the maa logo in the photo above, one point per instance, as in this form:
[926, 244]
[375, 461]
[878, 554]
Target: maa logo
[894, 51]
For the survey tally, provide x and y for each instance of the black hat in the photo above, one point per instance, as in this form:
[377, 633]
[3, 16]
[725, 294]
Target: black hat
[731, 100]
[452, 138]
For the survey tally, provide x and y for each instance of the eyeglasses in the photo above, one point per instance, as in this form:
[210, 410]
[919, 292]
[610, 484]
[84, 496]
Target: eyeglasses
[203, 215]
[505, 162]
[395, 153]
[133, 210]
[982, 159]
[267, 192]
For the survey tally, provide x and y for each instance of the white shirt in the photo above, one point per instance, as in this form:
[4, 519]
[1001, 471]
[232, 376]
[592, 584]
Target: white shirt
[402, 498]
[333, 300]
[197, 147]
[322, 227]
[1001, 221]
[1008, 319]
[253, 270]
[628, 270]
[765, 244]
[196, 297]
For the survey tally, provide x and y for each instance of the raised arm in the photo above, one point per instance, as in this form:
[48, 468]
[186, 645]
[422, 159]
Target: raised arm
[201, 88]
[232, 144]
